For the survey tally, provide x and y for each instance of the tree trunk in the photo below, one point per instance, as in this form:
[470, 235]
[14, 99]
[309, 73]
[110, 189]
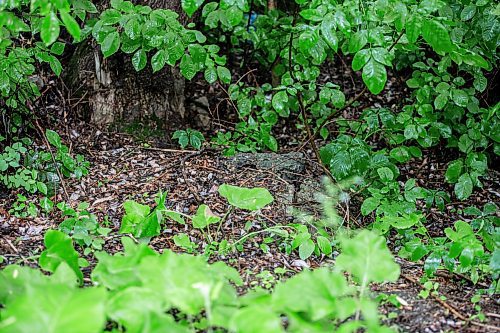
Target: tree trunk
[117, 93]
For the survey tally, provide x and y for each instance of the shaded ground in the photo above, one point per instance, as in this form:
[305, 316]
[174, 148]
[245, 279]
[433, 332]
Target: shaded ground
[129, 171]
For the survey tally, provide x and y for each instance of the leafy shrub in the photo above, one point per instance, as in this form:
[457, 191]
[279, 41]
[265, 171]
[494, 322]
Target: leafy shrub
[141, 288]
[37, 170]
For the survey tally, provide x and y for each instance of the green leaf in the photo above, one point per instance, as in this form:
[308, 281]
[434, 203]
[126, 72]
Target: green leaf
[454, 171]
[314, 294]
[367, 258]
[71, 25]
[369, 205]
[49, 31]
[246, 198]
[357, 41]
[437, 36]
[191, 6]
[53, 138]
[306, 249]
[110, 44]
[54, 306]
[324, 245]
[59, 249]
[374, 76]
[468, 12]
[256, 318]
[413, 28]
[460, 97]
[135, 214]
[360, 59]
[224, 74]
[139, 60]
[385, 174]
[187, 66]
[210, 75]
[280, 101]
[204, 217]
[463, 188]
[328, 28]
[158, 60]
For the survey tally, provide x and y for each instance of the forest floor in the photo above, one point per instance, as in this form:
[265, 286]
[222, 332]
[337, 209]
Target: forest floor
[122, 170]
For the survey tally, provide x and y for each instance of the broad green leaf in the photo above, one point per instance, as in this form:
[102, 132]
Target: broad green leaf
[306, 249]
[53, 138]
[369, 205]
[110, 44]
[246, 198]
[256, 318]
[49, 31]
[436, 34]
[224, 74]
[280, 101]
[316, 293]
[210, 75]
[158, 60]
[360, 59]
[187, 66]
[71, 25]
[324, 245]
[59, 249]
[413, 28]
[328, 32]
[460, 97]
[468, 12]
[204, 217]
[454, 171]
[139, 60]
[374, 76]
[56, 308]
[367, 258]
[464, 186]
[191, 6]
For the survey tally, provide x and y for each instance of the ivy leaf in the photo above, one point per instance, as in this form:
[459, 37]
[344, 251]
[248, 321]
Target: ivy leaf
[374, 76]
[50, 29]
[139, 60]
[463, 188]
[367, 258]
[191, 6]
[110, 44]
[437, 36]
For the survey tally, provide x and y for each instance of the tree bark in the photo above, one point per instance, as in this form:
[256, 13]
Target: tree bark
[117, 93]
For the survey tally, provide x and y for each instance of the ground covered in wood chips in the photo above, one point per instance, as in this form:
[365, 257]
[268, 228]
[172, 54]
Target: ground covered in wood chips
[122, 170]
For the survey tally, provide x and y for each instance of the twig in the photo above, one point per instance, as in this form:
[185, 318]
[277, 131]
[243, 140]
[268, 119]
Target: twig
[63, 184]
[452, 310]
